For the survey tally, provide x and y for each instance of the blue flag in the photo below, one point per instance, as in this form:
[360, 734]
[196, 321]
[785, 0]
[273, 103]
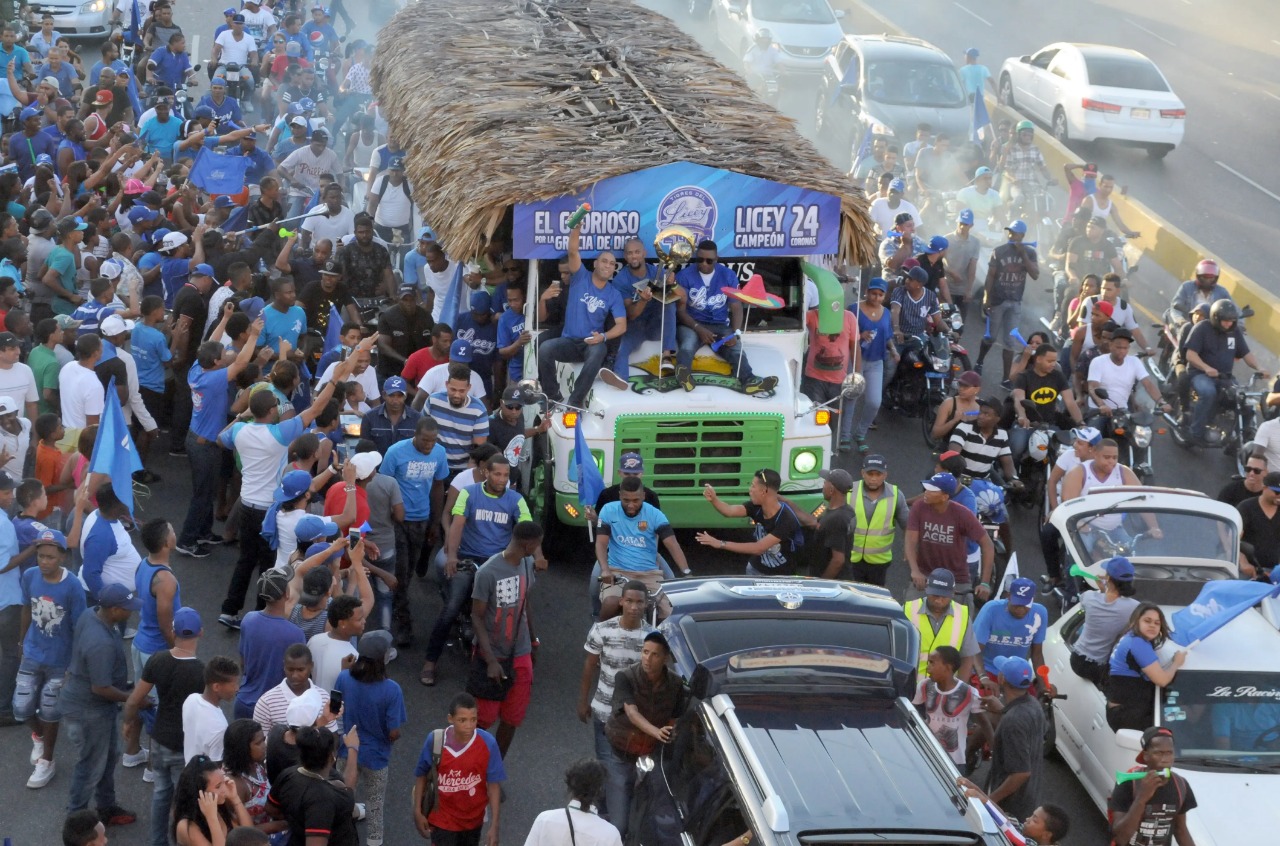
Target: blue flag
[237, 221]
[981, 119]
[333, 334]
[453, 299]
[1218, 604]
[113, 451]
[864, 149]
[215, 173]
[590, 484]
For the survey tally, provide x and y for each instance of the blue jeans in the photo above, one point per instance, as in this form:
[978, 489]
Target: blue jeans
[865, 408]
[688, 344]
[382, 596]
[1019, 437]
[206, 462]
[95, 738]
[294, 206]
[562, 349]
[456, 592]
[1207, 397]
[649, 326]
[167, 766]
[619, 780]
[1004, 319]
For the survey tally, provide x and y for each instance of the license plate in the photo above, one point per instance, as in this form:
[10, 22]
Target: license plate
[1140, 114]
[233, 76]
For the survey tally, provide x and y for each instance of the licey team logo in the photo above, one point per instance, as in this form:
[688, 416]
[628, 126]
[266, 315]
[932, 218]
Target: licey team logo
[691, 207]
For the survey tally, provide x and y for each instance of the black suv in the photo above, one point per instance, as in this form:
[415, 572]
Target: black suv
[801, 730]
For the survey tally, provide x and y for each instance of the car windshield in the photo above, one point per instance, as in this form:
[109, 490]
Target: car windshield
[720, 636]
[1124, 72]
[1185, 538]
[912, 83]
[793, 11]
[1222, 715]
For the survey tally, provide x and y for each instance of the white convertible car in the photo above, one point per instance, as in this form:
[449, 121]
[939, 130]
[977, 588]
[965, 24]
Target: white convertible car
[1224, 704]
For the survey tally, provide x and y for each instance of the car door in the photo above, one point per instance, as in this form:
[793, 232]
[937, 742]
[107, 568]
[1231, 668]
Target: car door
[1036, 85]
[1061, 82]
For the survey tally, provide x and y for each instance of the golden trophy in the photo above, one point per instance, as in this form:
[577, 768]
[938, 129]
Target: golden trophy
[674, 247]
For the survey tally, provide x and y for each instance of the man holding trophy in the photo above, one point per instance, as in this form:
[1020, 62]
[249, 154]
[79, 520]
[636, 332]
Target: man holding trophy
[651, 297]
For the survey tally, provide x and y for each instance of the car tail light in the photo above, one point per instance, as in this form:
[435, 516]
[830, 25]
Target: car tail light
[1178, 114]
[1099, 106]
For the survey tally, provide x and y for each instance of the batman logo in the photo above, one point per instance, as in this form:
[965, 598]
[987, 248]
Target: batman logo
[1044, 396]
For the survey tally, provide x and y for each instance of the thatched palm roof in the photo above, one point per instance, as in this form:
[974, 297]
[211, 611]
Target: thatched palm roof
[507, 101]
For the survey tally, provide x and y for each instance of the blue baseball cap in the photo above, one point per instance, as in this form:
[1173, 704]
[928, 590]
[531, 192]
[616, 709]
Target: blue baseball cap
[253, 307]
[308, 105]
[481, 301]
[202, 270]
[44, 159]
[230, 10]
[1022, 592]
[186, 623]
[294, 484]
[1016, 671]
[30, 112]
[877, 284]
[898, 185]
[223, 201]
[311, 527]
[919, 274]
[239, 18]
[972, 52]
[1018, 227]
[1118, 569]
[965, 216]
[426, 234]
[1088, 434]
[941, 582]
[205, 111]
[631, 464]
[52, 536]
[395, 385]
[944, 482]
[936, 245]
[115, 595]
[217, 80]
[142, 214]
[460, 351]
[982, 171]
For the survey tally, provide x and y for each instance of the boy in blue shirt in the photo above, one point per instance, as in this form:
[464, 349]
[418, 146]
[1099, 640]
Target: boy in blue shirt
[592, 298]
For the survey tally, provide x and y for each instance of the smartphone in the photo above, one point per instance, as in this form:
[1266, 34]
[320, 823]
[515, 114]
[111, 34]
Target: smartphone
[353, 538]
[335, 701]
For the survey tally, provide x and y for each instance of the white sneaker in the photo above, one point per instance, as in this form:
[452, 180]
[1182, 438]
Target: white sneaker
[140, 757]
[43, 774]
[149, 775]
[358, 811]
[37, 748]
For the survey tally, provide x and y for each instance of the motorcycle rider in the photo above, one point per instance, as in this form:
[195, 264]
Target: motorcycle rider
[225, 109]
[901, 241]
[761, 60]
[1201, 289]
[1100, 204]
[1213, 347]
[983, 443]
[1104, 470]
[1044, 384]
[1011, 263]
[913, 309]
[1119, 375]
[1074, 227]
[1089, 253]
[1084, 444]
[1122, 311]
[170, 65]
[936, 170]
[1020, 163]
[237, 47]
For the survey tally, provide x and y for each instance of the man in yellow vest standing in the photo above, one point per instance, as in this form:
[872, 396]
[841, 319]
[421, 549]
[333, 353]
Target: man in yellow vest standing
[879, 510]
[942, 621]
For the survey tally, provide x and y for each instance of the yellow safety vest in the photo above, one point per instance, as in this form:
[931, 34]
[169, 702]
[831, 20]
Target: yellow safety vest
[951, 633]
[873, 539]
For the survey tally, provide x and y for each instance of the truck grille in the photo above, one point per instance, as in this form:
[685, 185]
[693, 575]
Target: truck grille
[681, 455]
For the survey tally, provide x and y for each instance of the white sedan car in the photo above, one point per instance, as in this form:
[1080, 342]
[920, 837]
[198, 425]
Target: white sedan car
[804, 30]
[1224, 703]
[1090, 92]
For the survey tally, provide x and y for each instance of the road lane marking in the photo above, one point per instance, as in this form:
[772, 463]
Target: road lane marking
[1272, 96]
[973, 13]
[1149, 32]
[1231, 170]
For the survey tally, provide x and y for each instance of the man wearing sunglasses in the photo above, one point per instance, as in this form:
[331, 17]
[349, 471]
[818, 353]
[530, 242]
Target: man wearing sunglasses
[706, 314]
[1260, 529]
[1241, 488]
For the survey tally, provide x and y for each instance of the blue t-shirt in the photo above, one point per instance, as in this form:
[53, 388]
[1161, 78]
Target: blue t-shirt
[510, 325]
[708, 302]
[489, 520]
[376, 708]
[260, 164]
[1136, 647]
[173, 275]
[65, 74]
[278, 324]
[26, 528]
[90, 314]
[330, 34]
[171, 68]
[150, 638]
[25, 150]
[10, 587]
[209, 400]
[484, 341]
[626, 282]
[1000, 633]
[228, 112]
[416, 474]
[150, 352]
[633, 541]
[159, 136]
[588, 305]
[263, 641]
[54, 611]
[414, 262]
[975, 77]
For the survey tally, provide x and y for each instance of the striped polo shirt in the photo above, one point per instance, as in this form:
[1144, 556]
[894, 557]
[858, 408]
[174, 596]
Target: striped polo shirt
[979, 453]
[458, 426]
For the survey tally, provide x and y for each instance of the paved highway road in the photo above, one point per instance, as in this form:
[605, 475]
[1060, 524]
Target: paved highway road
[552, 736]
[1221, 57]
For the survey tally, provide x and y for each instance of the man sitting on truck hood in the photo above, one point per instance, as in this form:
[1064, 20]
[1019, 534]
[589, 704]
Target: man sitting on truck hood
[707, 314]
[592, 298]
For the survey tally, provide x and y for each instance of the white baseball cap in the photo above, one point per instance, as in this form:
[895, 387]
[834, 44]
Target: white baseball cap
[114, 324]
[172, 241]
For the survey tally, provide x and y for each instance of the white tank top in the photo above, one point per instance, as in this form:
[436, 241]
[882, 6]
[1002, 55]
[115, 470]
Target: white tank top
[1114, 480]
[1101, 211]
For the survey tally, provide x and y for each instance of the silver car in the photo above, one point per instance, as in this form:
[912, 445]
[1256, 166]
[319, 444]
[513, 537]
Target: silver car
[76, 19]
[804, 30]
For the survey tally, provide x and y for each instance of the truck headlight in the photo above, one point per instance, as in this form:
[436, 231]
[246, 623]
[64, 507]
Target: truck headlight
[804, 462]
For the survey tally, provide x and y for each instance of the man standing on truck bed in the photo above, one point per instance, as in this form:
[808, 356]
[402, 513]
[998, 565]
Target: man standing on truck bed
[706, 315]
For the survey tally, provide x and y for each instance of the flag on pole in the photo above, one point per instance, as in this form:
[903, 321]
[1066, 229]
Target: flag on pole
[453, 299]
[864, 149]
[333, 332]
[981, 119]
[113, 451]
[590, 484]
[215, 173]
[237, 221]
[1218, 604]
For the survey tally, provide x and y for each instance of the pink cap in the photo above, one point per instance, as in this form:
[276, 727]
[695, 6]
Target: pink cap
[135, 186]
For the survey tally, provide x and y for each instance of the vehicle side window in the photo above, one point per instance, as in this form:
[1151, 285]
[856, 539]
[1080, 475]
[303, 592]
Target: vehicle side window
[692, 764]
[1060, 69]
[1043, 58]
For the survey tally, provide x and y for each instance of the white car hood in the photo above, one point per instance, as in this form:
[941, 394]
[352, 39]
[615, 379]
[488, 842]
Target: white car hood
[1244, 802]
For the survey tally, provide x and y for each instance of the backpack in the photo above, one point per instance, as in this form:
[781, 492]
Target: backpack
[437, 750]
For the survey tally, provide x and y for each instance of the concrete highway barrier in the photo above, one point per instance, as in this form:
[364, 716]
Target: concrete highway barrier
[1161, 242]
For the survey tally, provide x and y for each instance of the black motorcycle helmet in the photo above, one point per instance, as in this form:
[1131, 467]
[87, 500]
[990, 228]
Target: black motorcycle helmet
[1223, 310]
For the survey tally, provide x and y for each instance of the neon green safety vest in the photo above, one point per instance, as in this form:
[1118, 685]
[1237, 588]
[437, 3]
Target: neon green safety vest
[873, 539]
[951, 633]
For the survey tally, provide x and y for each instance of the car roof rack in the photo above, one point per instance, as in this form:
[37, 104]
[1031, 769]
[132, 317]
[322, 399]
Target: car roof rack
[774, 811]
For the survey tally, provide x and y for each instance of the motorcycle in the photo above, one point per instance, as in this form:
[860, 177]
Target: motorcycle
[1046, 443]
[1133, 431]
[1170, 329]
[943, 359]
[1236, 414]
[238, 84]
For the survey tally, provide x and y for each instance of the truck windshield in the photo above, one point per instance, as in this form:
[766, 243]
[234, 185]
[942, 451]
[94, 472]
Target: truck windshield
[793, 11]
[1232, 716]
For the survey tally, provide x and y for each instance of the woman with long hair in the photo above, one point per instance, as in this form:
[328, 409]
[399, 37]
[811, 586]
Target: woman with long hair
[205, 805]
[875, 352]
[1136, 670]
[244, 755]
[1107, 611]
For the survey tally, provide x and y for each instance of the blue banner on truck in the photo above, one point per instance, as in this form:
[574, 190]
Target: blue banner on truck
[744, 215]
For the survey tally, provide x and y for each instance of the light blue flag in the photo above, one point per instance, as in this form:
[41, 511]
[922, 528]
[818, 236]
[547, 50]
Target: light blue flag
[590, 484]
[333, 333]
[981, 119]
[1218, 604]
[114, 453]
